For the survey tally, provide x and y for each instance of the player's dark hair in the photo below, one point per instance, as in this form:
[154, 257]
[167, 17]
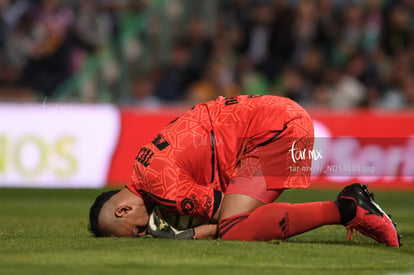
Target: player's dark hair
[96, 209]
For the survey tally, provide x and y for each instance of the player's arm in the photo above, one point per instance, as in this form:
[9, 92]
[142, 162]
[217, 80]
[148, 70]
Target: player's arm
[197, 200]
[205, 231]
[176, 191]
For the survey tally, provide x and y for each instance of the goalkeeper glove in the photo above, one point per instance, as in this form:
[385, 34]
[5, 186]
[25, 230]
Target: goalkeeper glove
[159, 228]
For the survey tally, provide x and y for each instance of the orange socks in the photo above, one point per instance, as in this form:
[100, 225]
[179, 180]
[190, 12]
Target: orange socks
[278, 221]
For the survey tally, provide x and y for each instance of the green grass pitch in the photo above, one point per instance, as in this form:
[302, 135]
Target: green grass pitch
[44, 232]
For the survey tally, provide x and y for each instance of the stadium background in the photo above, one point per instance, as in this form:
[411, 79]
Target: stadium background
[84, 84]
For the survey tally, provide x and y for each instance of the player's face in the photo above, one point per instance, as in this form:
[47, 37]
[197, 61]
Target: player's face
[129, 227]
[127, 218]
[134, 223]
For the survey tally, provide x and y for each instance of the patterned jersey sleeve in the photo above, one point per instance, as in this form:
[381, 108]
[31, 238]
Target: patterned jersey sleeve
[175, 190]
[196, 200]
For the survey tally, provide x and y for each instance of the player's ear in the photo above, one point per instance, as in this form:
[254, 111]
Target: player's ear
[122, 210]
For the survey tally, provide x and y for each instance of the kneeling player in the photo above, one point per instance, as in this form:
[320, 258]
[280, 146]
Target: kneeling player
[227, 161]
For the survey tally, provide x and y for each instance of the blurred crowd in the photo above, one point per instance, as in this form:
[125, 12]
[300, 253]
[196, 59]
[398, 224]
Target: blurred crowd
[338, 54]
[322, 53]
[43, 42]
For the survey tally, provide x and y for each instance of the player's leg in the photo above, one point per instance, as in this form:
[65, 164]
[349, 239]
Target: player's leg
[248, 212]
[271, 221]
[354, 208]
[245, 194]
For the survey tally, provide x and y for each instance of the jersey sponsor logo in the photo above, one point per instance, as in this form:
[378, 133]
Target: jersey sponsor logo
[160, 142]
[144, 156]
[187, 205]
[193, 206]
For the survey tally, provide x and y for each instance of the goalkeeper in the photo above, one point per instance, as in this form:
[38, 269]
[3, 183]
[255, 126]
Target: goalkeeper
[227, 161]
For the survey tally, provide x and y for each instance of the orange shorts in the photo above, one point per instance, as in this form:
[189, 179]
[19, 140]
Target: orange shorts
[283, 162]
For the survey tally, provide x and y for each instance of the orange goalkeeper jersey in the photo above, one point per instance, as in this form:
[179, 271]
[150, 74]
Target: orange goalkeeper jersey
[190, 163]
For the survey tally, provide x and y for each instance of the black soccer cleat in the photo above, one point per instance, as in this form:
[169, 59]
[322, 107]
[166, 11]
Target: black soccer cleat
[359, 211]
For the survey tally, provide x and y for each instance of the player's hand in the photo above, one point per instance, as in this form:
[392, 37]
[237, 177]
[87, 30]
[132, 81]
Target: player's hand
[159, 228]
